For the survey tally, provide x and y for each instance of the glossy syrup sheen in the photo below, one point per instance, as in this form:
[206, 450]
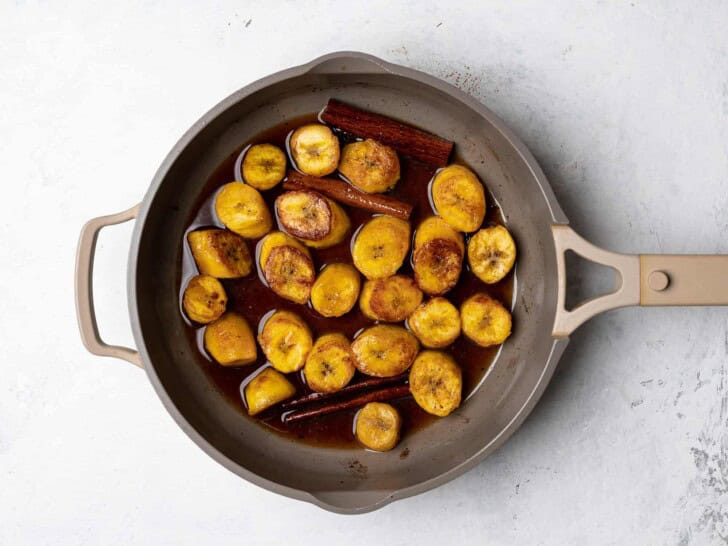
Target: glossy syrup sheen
[252, 299]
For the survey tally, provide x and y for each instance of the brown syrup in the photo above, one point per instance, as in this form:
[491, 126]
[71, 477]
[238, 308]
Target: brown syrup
[252, 299]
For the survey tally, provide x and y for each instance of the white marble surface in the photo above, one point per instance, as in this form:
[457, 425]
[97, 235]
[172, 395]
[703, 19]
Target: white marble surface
[625, 104]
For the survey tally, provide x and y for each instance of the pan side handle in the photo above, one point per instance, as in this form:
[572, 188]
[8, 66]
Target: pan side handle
[626, 294]
[84, 288]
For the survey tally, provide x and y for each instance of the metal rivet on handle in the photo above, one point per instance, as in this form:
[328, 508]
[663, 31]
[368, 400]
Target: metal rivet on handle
[658, 281]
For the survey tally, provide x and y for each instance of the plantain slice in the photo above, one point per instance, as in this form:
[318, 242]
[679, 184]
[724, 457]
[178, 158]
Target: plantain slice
[377, 426]
[315, 149]
[287, 267]
[458, 197]
[392, 299]
[220, 253]
[242, 209]
[286, 341]
[491, 254]
[330, 364]
[437, 265]
[340, 225]
[230, 341]
[267, 389]
[384, 350]
[204, 299]
[335, 290]
[304, 214]
[436, 383]
[485, 321]
[380, 246]
[435, 227]
[264, 166]
[436, 323]
[370, 166]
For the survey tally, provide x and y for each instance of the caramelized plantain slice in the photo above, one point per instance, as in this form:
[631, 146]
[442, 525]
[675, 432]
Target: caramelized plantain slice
[335, 290]
[267, 389]
[437, 265]
[340, 225]
[264, 166]
[204, 299]
[459, 198]
[315, 149]
[380, 246]
[229, 340]
[304, 214]
[242, 209]
[220, 253]
[436, 323]
[330, 364]
[436, 383]
[377, 426]
[370, 166]
[485, 321]
[392, 299]
[286, 341]
[384, 350]
[491, 254]
[287, 267]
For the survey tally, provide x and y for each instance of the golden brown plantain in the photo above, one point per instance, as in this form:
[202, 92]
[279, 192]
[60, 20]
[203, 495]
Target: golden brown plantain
[436, 383]
[384, 350]
[335, 290]
[340, 225]
[484, 320]
[391, 299]
[330, 364]
[220, 253]
[304, 214]
[204, 299]
[315, 149]
[267, 389]
[377, 426]
[370, 166]
[435, 227]
[380, 246]
[436, 323]
[491, 254]
[286, 341]
[242, 209]
[459, 197]
[230, 341]
[437, 265]
[264, 166]
[287, 267]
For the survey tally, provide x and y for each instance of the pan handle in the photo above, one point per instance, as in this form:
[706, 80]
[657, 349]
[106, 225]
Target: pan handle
[84, 287]
[647, 280]
[626, 294]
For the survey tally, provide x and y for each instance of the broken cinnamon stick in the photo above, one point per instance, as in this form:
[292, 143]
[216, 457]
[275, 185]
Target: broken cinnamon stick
[371, 382]
[343, 192]
[405, 139]
[376, 396]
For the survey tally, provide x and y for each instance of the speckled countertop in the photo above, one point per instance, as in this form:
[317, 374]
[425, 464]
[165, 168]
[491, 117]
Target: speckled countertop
[625, 105]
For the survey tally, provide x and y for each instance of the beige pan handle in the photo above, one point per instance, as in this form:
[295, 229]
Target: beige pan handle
[84, 288]
[647, 279]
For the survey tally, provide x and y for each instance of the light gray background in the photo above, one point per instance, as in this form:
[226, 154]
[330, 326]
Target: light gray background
[625, 104]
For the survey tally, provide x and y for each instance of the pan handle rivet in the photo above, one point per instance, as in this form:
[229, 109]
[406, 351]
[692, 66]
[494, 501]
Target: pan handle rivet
[658, 281]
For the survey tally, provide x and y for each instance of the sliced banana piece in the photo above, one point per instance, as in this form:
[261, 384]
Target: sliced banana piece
[380, 246]
[242, 209]
[204, 299]
[435, 227]
[485, 321]
[287, 267]
[392, 299]
[459, 197]
[377, 426]
[437, 265]
[384, 350]
[264, 166]
[286, 341]
[436, 323]
[340, 225]
[491, 254]
[370, 166]
[315, 149]
[304, 214]
[436, 383]
[220, 253]
[336, 289]
[230, 341]
[267, 389]
[330, 364]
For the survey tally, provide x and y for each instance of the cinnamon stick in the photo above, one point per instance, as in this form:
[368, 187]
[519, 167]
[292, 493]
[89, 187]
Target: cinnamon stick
[371, 382]
[345, 193]
[376, 396]
[405, 139]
